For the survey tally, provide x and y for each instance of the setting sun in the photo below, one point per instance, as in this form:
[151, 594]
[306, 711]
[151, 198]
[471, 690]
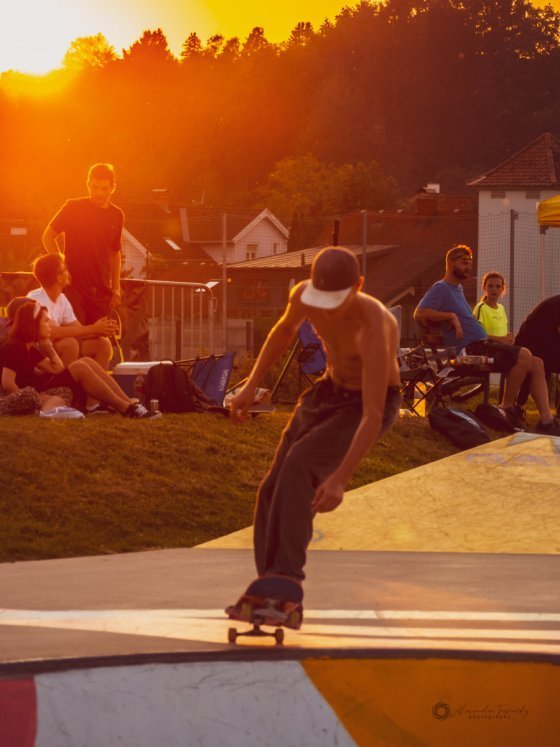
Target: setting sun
[35, 34]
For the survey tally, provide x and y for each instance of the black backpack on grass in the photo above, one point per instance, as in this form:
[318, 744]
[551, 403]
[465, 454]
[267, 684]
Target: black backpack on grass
[494, 417]
[174, 389]
[460, 427]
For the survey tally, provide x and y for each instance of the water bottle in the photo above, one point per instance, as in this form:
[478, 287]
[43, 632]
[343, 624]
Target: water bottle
[474, 360]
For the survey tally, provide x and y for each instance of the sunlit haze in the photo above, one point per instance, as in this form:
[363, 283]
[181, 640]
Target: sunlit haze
[35, 34]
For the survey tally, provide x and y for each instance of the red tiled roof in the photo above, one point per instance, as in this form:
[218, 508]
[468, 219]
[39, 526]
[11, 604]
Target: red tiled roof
[537, 165]
[155, 227]
[419, 243]
[190, 228]
[205, 223]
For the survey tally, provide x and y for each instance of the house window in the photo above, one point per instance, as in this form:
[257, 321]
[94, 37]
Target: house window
[251, 251]
[533, 194]
[275, 248]
[497, 195]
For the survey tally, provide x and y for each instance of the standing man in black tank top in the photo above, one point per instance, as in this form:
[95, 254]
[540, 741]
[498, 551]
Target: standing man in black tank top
[92, 228]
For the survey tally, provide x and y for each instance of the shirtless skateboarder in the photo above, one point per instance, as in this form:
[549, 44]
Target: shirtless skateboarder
[335, 421]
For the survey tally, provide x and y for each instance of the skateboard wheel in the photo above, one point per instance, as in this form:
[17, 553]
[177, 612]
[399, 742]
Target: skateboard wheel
[232, 635]
[279, 636]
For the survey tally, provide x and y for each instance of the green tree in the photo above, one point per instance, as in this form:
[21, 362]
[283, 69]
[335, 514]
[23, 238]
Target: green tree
[298, 185]
[304, 186]
[362, 186]
[152, 47]
[192, 48]
[89, 53]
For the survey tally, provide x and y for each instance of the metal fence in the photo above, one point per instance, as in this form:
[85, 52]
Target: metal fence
[180, 319]
[529, 257]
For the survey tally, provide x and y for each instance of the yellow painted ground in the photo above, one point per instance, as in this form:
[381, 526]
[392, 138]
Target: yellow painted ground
[437, 703]
[501, 497]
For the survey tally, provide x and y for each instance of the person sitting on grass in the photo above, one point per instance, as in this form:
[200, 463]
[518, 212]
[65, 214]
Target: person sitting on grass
[28, 359]
[71, 339]
[445, 304]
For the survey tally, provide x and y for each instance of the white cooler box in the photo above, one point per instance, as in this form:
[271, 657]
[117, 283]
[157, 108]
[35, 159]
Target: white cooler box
[125, 375]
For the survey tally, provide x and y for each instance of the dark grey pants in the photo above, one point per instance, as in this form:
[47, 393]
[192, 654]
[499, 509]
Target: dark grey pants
[313, 444]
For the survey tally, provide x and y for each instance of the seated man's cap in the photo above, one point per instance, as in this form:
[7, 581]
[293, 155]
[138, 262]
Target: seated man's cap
[334, 272]
[15, 304]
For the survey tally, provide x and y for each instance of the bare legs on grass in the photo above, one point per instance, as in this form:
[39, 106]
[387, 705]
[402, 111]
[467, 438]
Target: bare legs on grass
[98, 384]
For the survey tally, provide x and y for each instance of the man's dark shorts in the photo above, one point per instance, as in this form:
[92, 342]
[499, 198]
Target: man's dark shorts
[505, 356]
[90, 305]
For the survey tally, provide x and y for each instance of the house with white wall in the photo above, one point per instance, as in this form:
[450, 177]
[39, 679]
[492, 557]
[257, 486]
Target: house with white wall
[509, 237]
[191, 241]
[240, 235]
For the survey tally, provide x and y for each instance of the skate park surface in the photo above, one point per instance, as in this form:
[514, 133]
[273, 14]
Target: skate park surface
[432, 617]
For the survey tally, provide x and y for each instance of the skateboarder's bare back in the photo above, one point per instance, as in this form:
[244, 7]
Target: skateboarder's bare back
[336, 420]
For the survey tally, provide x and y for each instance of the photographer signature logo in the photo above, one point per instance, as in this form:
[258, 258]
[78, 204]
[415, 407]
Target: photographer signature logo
[442, 711]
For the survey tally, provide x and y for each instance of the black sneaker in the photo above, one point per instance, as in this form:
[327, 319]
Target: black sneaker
[139, 412]
[515, 417]
[548, 429]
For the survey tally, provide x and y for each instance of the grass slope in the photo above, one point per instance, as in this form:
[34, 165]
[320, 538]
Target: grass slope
[108, 485]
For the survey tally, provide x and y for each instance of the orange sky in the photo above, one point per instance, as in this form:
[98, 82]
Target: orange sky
[35, 34]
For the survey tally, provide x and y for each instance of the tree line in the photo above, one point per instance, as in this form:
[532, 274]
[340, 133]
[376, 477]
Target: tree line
[355, 114]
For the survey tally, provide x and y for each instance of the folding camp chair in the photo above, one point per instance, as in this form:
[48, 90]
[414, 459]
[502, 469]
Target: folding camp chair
[310, 355]
[211, 374]
[422, 379]
[461, 381]
[419, 382]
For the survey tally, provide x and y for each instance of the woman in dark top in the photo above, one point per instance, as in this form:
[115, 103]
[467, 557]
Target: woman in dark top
[19, 354]
[28, 359]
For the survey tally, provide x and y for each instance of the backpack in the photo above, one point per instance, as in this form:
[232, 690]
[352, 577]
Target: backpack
[460, 427]
[174, 389]
[494, 418]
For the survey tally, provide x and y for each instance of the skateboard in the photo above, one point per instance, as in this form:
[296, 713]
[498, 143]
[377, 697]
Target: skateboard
[259, 408]
[260, 405]
[253, 411]
[274, 601]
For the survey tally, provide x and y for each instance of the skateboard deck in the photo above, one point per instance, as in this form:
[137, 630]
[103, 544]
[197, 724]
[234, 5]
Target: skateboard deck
[261, 404]
[269, 601]
[259, 408]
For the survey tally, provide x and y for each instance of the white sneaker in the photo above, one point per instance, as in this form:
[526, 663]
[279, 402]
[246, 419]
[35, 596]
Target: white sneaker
[138, 411]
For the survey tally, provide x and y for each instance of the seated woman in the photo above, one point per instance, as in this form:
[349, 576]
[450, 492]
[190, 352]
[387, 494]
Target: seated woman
[28, 359]
[489, 312]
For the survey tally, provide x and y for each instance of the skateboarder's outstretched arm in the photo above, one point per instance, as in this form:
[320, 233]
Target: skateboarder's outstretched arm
[276, 343]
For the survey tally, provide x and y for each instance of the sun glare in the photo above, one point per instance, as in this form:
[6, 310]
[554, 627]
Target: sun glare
[35, 34]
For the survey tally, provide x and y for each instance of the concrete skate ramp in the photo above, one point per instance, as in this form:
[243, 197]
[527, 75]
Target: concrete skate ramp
[404, 701]
[502, 497]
